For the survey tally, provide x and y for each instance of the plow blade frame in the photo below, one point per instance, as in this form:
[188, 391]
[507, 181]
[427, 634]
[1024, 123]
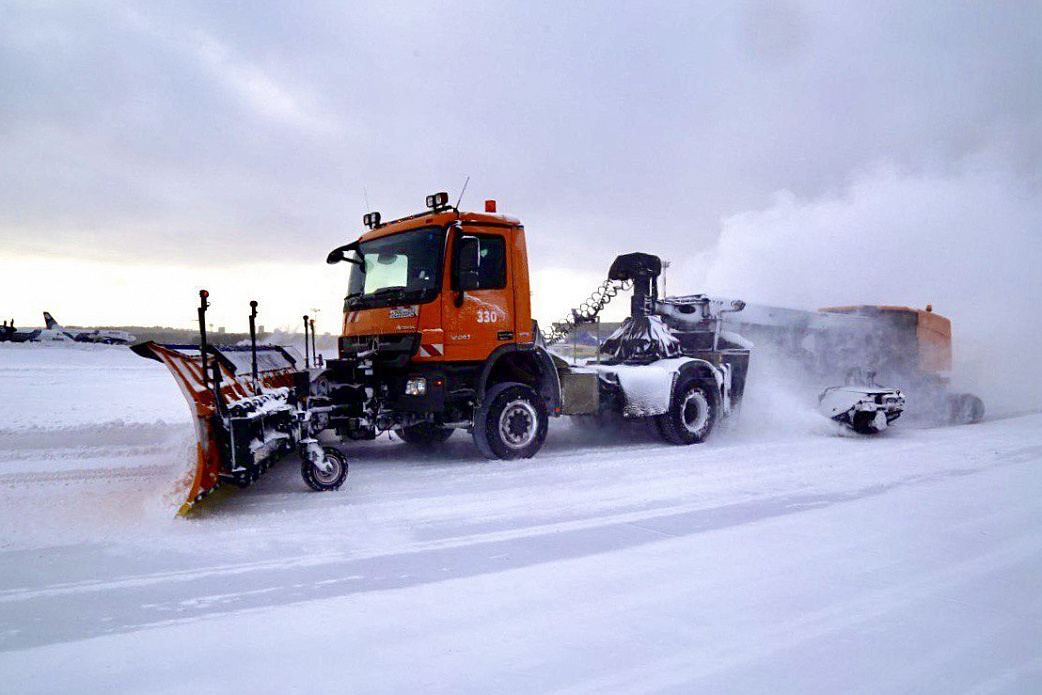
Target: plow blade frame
[242, 426]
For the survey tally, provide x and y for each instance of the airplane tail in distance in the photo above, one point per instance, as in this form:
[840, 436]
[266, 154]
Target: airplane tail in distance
[49, 320]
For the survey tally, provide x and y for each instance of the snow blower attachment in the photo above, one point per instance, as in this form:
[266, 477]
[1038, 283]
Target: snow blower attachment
[862, 404]
[643, 337]
[250, 408]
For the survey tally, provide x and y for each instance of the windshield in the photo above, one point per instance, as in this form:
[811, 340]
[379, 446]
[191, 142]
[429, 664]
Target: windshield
[403, 267]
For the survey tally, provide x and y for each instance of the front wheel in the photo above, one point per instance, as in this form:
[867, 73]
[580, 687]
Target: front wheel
[691, 415]
[329, 474]
[511, 422]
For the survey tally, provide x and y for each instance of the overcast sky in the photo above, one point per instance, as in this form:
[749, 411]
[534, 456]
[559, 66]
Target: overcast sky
[149, 149]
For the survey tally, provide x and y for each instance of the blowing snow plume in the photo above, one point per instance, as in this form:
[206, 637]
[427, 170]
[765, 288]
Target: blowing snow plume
[969, 244]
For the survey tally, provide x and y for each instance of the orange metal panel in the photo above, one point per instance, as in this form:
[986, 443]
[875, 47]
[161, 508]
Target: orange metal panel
[933, 334]
[472, 328]
[522, 290]
[935, 342]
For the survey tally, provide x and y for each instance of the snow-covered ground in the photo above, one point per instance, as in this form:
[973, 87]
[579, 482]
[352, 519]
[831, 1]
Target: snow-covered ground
[781, 556]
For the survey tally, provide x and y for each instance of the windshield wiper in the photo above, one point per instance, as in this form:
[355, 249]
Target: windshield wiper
[396, 294]
[397, 289]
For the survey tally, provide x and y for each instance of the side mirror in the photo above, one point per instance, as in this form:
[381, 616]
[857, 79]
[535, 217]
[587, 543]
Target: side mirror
[466, 277]
[339, 254]
[467, 262]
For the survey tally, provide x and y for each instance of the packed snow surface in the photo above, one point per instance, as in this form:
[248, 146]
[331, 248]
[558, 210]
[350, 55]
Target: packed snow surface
[781, 556]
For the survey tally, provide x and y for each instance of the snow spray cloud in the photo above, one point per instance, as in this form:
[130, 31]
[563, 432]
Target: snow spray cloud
[969, 243]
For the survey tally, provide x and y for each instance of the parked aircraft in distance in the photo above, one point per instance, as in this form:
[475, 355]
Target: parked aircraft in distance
[56, 332]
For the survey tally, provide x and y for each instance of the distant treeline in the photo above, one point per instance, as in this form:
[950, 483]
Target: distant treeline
[164, 334]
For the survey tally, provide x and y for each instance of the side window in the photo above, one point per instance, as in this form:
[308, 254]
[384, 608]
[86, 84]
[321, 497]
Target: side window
[492, 263]
[483, 258]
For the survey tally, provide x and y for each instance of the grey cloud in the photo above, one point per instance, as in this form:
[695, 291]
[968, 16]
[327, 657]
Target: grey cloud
[213, 132]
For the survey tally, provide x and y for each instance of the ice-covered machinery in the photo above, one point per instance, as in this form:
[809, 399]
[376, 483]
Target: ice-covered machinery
[660, 329]
[861, 404]
[250, 408]
[669, 360]
[867, 359]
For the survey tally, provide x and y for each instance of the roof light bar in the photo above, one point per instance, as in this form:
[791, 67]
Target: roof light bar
[438, 200]
[371, 220]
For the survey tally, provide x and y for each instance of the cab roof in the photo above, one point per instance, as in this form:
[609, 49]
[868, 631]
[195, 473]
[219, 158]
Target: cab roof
[439, 218]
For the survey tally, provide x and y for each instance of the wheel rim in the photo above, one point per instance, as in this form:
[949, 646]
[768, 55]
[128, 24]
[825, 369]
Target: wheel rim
[518, 423]
[330, 477]
[694, 411]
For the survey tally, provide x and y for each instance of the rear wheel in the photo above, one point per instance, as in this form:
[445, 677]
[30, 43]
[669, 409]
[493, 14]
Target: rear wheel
[691, 415]
[511, 422]
[965, 408]
[425, 434]
[330, 475]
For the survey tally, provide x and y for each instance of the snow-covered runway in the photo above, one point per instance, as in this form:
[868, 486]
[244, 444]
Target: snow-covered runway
[795, 560]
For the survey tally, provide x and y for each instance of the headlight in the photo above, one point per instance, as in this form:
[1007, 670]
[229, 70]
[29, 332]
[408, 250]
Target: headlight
[416, 386]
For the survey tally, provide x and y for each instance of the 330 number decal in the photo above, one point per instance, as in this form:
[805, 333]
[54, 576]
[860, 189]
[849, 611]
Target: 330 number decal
[487, 316]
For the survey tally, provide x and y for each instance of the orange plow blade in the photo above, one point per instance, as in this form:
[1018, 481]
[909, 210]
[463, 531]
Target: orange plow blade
[243, 424]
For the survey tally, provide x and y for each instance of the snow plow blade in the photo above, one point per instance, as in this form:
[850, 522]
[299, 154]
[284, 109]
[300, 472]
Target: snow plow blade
[243, 424]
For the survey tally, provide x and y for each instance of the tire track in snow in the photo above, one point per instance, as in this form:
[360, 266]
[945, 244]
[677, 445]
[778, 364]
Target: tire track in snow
[64, 614]
[88, 475]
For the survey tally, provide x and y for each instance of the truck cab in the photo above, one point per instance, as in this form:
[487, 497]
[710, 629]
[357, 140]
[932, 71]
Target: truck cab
[437, 314]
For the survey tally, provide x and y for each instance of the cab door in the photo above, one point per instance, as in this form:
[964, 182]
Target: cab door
[478, 308]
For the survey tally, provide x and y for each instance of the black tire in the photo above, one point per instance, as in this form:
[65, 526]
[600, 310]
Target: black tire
[511, 423]
[864, 423]
[693, 411]
[424, 435]
[321, 481]
[965, 409]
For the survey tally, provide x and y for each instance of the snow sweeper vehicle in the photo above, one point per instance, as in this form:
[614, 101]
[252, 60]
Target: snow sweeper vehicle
[867, 361]
[913, 347]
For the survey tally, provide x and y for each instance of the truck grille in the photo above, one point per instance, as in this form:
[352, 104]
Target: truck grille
[392, 345]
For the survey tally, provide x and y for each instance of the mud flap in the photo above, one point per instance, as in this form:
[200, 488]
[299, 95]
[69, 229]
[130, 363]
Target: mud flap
[242, 427]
